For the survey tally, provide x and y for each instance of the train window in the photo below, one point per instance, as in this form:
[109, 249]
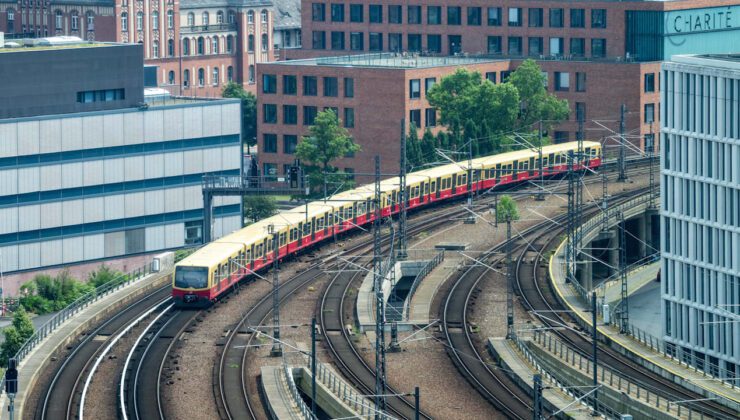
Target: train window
[588, 151]
[348, 213]
[320, 223]
[248, 257]
[544, 162]
[557, 159]
[329, 219]
[508, 169]
[306, 228]
[416, 191]
[462, 179]
[434, 186]
[258, 251]
[426, 189]
[361, 208]
[283, 237]
[594, 152]
[551, 159]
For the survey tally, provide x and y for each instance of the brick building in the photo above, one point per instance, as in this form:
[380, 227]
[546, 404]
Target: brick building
[373, 92]
[197, 45]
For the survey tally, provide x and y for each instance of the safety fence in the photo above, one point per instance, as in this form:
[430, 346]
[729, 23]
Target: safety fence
[295, 394]
[428, 267]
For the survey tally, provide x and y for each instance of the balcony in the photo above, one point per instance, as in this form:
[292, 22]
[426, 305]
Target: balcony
[216, 27]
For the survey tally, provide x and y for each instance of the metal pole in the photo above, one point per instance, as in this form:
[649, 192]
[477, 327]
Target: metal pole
[207, 216]
[622, 158]
[313, 366]
[417, 409]
[541, 194]
[650, 152]
[509, 282]
[402, 254]
[570, 245]
[594, 337]
[277, 348]
[624, 313]
[379, 302]
[11, 406]
[471, 218]
[537, 405]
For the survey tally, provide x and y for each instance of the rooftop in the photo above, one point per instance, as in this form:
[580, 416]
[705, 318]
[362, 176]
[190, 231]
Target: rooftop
[287, 14]
[390, 61]
[729, 61]
[51, 43]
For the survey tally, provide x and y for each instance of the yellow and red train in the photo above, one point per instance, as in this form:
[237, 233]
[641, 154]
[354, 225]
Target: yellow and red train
[208, 273]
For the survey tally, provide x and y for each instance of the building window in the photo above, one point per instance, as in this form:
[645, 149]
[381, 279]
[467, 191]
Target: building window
[414, 15]
[90, 21]
[494, 16]
[290, 142]
[170, 47]
[220, 17]
[491, 77]
[580, 82]
[191, 19]
[515, 16]
[269, 112]
[309, 115]
[414, 42]
[124, 21]
[214, 45]
[562, 81]
[505, 76]
[204, 19]
[318, 40]
[474, 16]
[580, 111]
[250, 16]
[11, 20]
[598, 18]
[107, 95]
[270, 169]
[201, 46]
[349, 87]
[337, 12]
[598, 47]
[230, 73]
[376, 13]
[310, 86]
[395, 42]
[578, 47]
[229, 44]
[331, 87]
[337, 40]
[155, 21]
[430, 117]
[428, 84]
[434, 15]
[194, 232]
[556, 46]
[216, 76]
[250, 42]
[577, 18]
[290, 85]
[535, 46]
[556, 18]
[201, 77]
[349, 117]
[270, 143]
[290, 114]
[434, 43]
[269, 83]
[232, 17]
[186, 78]
[453, 15]
[318, 12]
[560, 136]
[356, 41]
[139, 21]
[649, 82]
[535, 18]
[251, 73]
[75, 19]
[171, 77]
[265, 42]
[395, 14]
[415, 88]
[494, 45]
[375, 40]
[415, 118]
[649, 113]
[263, 16]
[155, 49]
[356, 13]
[515, 45]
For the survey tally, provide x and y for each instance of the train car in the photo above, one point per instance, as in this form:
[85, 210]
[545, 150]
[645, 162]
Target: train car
[213, 270]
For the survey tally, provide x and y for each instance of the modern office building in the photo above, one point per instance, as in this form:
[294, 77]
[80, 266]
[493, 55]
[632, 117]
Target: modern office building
[700, 211]
[97, 183]
[373, 92]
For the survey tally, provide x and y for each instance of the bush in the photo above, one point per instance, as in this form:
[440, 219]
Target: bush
[46, 294]
[15, 335]
[104, 275]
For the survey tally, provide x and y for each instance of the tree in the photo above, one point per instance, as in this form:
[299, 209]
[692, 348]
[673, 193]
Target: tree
[327, 141]
[506, 209]
[428, 144]
[413, 148]
[258, 207]
[103, 275]
[536, 103]
[249, 110]
[15, 335]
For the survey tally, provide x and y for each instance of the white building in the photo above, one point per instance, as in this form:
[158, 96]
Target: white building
[96, 185]
[700, 211]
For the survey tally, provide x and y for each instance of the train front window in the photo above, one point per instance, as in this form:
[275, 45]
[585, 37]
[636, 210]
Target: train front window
[191, 277]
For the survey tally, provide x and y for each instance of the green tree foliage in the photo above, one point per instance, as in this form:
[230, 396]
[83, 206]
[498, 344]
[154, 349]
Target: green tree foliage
[103, 275]
[506, 209]
[258, 207]
[249, 110]
[326, 142]
[537, 103]
[46, 294]
[414, 156]
[15, 335]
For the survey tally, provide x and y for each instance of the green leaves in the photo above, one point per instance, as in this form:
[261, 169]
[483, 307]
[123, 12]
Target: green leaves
[15, 335]
[506, 209]
[258, 207]
[249, 110]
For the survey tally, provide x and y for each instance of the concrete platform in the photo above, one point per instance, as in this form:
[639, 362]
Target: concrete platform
[280, 401]
[639, 351]
[421, 302]
[39, 358]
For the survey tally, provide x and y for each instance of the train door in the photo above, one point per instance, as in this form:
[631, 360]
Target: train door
[454, 183]
[515, 170]
[497, 173]
[300, 233]
[369, 208]
[354, 212]
[251, 258]
[426, 189]
[313, 228]
[531, 166]
[421, 191]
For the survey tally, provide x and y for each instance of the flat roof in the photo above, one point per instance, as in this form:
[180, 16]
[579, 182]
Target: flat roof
[729, 61]
[391, 61]
[31, 46]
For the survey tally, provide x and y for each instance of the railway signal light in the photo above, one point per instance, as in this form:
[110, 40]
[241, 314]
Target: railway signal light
[11, 378]
[293, 177]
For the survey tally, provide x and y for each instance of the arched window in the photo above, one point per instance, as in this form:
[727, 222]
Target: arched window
[230, 74]
[201, 77]
[75, 19]
[171, 77]
[186, 47]
[155, 49]
[220, 17]
[250, 42]
[170, 19]
[90, 21]
[205, 19]
[155, 20]
[186, 78]
[232, 16]
[215, 76]
[139, 21]
[11, 20]
[170, 47]
[250, 16]
[264, 16]
[58, 19]
[191, 19]
[264, 42]
[214, 45]
[201, 46]
[251, 73]
[229, 44]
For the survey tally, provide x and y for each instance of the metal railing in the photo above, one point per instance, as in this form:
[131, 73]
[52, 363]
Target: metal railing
[302, 407]
[209, 28]
[428, 267]
[345, 392]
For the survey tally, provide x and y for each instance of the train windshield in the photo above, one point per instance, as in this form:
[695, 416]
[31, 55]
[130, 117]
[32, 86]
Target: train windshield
[191, 277]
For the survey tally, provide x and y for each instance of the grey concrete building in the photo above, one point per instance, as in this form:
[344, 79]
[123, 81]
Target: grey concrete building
[700, 211]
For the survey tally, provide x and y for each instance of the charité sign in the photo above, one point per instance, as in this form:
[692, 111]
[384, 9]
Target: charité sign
[686, 22]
